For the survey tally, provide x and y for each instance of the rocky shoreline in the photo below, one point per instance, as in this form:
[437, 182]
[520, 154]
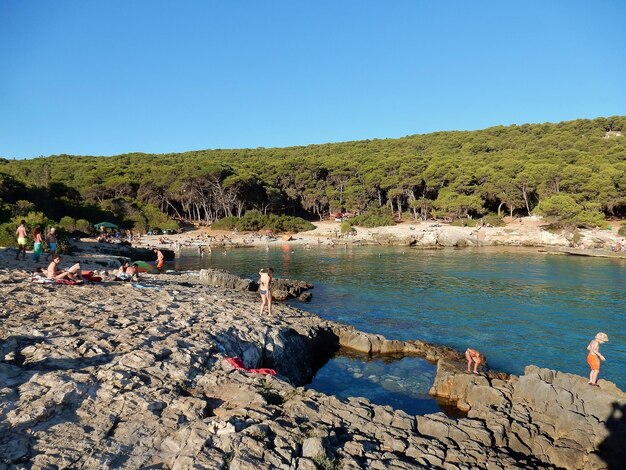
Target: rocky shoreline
[112, 375]
[524, 232]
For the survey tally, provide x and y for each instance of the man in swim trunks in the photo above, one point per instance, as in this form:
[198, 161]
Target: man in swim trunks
[51, 241]
[475, 357]
[160, 259]
[265, 285]
[594, 357]
[22, 240]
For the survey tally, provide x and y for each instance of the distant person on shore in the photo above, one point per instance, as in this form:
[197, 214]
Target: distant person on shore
[54, 272]
[51, 241]
[160, 261]
[474, 357]
[22, 240]
[594, 357]
[265, 286]
[37, 244]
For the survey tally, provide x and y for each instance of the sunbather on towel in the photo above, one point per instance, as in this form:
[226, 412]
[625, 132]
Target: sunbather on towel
[53, 272]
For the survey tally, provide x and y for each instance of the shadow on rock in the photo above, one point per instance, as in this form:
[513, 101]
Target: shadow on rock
[612, 450]
[292, 354]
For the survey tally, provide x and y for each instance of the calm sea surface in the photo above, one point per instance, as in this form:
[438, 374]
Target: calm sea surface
[518, 307]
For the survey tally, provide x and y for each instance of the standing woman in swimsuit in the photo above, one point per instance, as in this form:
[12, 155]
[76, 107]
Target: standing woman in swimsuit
[265, 285]
[38, 244]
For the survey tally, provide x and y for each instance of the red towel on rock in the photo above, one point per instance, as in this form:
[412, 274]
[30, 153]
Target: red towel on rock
[238, 364]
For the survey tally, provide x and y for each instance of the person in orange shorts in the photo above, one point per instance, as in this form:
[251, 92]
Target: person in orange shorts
[594, 357]
[160, 262]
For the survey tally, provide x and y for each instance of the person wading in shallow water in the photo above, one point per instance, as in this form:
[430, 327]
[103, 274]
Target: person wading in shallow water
[594, 357]
[265, 289]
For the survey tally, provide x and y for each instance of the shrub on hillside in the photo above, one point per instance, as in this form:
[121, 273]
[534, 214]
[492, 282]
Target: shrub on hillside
[252, 221]
[345, 227]
[378, 217]
[83, 226]
[564, 209]
[227, 223]
[493, 220]
[68, 224]
[590, 219]
[7, 234]
[622, 230]
[464, 222]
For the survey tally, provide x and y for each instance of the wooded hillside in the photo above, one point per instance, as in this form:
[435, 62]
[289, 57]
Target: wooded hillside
[574, 169]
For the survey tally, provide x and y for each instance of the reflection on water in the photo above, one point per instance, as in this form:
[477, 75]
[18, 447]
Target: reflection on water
[519, 307]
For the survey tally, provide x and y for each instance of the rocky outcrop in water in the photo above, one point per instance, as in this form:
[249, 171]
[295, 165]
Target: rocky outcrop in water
[282, 289]
[115, 376]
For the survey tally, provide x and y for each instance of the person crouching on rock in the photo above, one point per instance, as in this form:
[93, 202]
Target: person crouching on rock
[594, 357]
[474, 357]
[265, 286]
[54, 272]
[127, 273]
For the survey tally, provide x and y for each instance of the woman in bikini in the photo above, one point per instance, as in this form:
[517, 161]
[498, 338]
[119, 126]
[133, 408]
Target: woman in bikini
[265, 284]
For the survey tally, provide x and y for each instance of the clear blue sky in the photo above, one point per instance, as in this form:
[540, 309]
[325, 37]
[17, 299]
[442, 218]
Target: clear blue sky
[109, 77]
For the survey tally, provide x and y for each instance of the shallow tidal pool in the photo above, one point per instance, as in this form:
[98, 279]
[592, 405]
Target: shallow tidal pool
[401, 383]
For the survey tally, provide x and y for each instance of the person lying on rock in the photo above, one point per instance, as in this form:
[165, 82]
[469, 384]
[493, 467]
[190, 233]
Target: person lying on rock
[594, 357]
[54, 272]
[476, 358]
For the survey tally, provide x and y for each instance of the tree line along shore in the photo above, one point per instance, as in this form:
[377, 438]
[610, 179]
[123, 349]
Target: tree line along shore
[572, 172]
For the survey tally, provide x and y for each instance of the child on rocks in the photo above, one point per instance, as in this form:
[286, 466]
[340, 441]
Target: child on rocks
[594, 357]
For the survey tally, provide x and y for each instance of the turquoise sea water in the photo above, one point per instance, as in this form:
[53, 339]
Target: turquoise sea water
[517, 306]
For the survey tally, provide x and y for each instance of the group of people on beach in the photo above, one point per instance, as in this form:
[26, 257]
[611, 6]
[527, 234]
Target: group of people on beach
[38, 242]
[477, 359]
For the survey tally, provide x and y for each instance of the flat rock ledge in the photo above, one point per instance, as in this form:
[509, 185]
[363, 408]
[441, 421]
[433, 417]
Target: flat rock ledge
[115, 376]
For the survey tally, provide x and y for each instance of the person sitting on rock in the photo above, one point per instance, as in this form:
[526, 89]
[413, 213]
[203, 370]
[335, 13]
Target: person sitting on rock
[474, 357]
[53, 271]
